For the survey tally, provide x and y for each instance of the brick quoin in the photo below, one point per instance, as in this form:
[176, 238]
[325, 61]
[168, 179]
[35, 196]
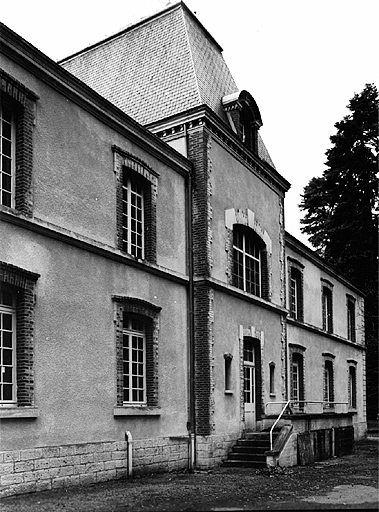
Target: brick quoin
[198, 140]
[198, 151]
[203, 298]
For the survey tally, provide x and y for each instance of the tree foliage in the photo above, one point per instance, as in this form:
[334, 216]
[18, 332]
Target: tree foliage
[341, 206]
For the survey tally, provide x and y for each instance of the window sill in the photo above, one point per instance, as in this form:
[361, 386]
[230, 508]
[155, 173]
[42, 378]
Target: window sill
[128, 410]
[228, 392]
[18, 412]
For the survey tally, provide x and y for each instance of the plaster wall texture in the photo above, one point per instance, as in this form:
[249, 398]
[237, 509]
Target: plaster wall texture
[74, 345]
[229, 314]
[317, 344]
[312, 276]
[235, 186]
[74, 179]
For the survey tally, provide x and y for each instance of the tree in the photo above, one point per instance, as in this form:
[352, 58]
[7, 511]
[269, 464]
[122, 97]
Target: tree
[341, 216]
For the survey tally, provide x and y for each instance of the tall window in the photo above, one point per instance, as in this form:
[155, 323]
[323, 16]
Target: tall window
[7, 346]
[134, 360]
[17, 118]
[351, 318]
[248, 260]
[7, 142]
[327, 309]
[297, 380]
[352, 387]
[296, 294]
[137, 351]
[133, 216]
[16, 336]
[328, 384]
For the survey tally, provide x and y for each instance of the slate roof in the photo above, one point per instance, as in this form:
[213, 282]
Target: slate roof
[159, 67]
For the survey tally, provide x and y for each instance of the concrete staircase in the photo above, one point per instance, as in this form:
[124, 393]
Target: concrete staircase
[249, 452]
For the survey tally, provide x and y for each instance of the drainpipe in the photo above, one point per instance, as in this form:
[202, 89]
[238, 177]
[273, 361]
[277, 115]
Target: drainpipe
[191, 330]
[129, 440]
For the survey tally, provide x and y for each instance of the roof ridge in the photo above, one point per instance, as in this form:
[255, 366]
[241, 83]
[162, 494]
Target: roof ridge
[191, 58]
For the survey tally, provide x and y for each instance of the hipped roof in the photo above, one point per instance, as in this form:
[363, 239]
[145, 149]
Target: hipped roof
[159, 67]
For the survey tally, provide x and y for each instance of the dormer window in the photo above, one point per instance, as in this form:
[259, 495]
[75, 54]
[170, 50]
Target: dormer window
[244, 118]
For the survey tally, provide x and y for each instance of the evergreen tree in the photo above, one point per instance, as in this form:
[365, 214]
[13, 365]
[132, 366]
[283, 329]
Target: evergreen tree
[341, 216]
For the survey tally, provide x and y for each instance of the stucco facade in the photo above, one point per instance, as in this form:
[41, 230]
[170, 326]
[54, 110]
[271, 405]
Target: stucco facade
[160, 310]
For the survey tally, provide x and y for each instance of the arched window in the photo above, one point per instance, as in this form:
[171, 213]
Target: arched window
[249, 261]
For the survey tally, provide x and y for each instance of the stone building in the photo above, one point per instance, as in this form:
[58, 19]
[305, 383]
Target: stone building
[152, 303]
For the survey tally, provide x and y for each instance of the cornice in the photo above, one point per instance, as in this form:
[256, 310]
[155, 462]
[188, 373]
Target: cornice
[215, 284]
[48, 71]
[203, 116]
[324, 334]
[80, 242]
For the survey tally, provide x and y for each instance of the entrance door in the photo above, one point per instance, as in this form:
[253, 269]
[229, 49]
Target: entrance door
[249, 384]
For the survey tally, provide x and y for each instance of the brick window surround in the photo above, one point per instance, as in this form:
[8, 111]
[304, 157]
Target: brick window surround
[126, 166]
[22, 284]
[327, 305]
[295, 289]
[297, 374]
[149, 314]
[328, 381]
[21, 102]
[246, 220]
[350, 308]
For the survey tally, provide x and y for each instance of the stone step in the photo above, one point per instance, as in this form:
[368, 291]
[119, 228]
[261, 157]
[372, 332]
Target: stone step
[244, 464]
[250, 449]
[259, 457]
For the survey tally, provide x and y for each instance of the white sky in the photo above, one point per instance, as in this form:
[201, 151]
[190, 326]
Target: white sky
[301, 60]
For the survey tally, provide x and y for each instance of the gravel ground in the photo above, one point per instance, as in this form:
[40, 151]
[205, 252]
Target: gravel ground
[349, 482]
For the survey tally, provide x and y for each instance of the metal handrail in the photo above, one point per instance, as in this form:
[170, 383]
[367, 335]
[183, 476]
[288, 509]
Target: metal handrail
[296, 402]
[280, 415]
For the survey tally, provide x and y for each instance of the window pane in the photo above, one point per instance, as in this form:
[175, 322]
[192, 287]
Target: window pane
[7, 322]
[7, 374]
[7, 147]
[6, 199]
[7, 114]
[7, 392]
[7, 130]
[7, 357]
[6, 165]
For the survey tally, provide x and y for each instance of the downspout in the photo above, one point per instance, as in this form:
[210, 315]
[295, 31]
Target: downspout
[191, 330]
[129, 440]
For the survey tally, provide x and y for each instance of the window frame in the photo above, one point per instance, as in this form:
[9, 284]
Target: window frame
[351, 318]
[22, 104]
[352, 385]
[327, 305]
[126, 165]
[148, 314]
[130, 189]
[297, 360]
[248, 237]
[132, 352]
[12, 155]
[22, 284]
[328, 382]
[11, 311]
